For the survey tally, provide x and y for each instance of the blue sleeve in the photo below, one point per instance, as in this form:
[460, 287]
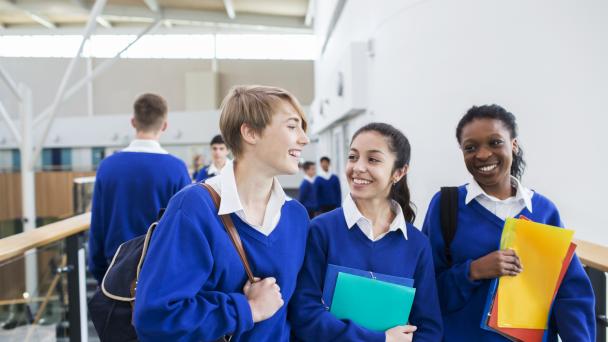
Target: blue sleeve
[303, 193]
[173, 301]
[97, 259]
[573, 311]
[310, 319]
[426, 314]
[338, 191]
[453, 284]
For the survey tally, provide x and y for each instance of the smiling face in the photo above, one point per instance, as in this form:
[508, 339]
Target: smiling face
[369, 170]
[280, 144]
[488, 148]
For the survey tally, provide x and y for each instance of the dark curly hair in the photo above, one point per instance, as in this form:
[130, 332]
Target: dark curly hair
[496, 112]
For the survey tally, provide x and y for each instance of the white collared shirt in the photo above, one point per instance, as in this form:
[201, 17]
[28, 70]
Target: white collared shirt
[353, 216]
[309, 179]
[145, 145]
[213, 170]
[325, 175]
[508, 207]
[225, 185]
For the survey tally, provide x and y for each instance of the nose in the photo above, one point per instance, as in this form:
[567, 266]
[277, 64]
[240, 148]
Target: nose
[303, 139]
[359, 166]
[483, 153]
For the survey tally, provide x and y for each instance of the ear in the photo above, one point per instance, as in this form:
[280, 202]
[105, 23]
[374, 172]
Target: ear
[514, 146]
[133, 123]
[249, 135]
[164, 126]
[400, 173]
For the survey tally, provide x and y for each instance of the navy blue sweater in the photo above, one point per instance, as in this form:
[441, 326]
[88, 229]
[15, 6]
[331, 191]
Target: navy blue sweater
[328, 191]
[130, 188]
[462, 300]
[331, 242]
[191, 284]
[308, 196]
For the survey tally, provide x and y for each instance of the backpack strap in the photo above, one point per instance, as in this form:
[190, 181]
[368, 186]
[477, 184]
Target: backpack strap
[231, 230]
[448, 217]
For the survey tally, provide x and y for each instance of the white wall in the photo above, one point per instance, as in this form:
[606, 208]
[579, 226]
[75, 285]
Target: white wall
[543, 60]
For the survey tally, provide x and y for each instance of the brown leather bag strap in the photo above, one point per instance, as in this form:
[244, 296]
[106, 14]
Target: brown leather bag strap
[231, 230]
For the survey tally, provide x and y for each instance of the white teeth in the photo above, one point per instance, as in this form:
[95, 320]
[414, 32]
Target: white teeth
[488, 168]
[294, 153]
[360, 181]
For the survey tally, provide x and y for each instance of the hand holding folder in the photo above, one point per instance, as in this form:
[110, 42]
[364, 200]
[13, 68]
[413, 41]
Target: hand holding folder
[368, 301]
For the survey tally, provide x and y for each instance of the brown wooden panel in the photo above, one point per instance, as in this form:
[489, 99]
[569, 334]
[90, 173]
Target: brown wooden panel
[53, 194]
[592, 255]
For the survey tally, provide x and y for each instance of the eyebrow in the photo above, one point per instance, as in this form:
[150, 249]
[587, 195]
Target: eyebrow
[293, 118]
[369, 151]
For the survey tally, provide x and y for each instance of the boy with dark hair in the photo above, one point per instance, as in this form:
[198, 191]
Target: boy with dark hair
[327, 187]
[307, 195]
[133, 184]
[219, 158]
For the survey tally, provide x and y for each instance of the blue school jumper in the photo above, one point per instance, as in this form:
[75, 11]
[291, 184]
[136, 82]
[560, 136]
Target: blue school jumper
[331, 242]
[191, 284]
[308, 196]
[203, 174]
[477, 234]
[130, 188]
[328, 191]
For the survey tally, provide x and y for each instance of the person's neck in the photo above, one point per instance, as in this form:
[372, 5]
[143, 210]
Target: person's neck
[140, 135]
[254, 188]
[378, 211]
[502, 190]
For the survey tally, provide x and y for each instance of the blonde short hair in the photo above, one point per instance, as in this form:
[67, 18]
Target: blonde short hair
[254, 106]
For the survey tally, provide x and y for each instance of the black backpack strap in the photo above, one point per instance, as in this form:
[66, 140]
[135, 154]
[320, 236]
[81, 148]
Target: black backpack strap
[449, 218]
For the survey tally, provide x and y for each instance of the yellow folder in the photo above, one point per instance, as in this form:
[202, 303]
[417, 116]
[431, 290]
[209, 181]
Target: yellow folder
[524, 300]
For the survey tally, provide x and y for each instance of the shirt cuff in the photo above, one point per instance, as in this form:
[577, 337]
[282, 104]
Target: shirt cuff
[466, 283]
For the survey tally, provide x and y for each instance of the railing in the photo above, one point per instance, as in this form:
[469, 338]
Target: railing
[58, 281]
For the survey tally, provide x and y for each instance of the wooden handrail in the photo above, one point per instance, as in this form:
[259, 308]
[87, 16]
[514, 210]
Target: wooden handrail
[18, 244]
[592, 255]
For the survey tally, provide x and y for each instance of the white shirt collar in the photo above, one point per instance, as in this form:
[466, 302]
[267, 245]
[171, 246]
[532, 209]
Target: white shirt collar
[308, 178]
[212, 169]
[225, 185]
[324, 175]
[524, 194]
[353, 216]
[145, 145]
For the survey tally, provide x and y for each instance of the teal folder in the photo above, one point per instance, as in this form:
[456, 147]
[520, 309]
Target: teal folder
[371, 303]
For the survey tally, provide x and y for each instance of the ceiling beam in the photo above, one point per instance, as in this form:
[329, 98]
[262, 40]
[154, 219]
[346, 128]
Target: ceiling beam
[229, 9]
[40, 19]
[103, 22]
[257, 22]
[87, 9]
[152, 5]
[310, 12]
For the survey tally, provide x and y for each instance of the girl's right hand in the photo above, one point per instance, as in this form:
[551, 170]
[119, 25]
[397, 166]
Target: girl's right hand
[400, 333]
[496, 264]
[264, 297]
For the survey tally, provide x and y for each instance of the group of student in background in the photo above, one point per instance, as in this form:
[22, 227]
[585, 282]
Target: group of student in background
[319, 193]
[193, 286]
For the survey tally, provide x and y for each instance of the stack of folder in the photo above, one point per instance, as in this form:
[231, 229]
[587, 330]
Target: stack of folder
[373, 300]
[518, 307]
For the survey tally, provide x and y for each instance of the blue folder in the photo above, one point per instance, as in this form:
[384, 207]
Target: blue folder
[331, 276]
